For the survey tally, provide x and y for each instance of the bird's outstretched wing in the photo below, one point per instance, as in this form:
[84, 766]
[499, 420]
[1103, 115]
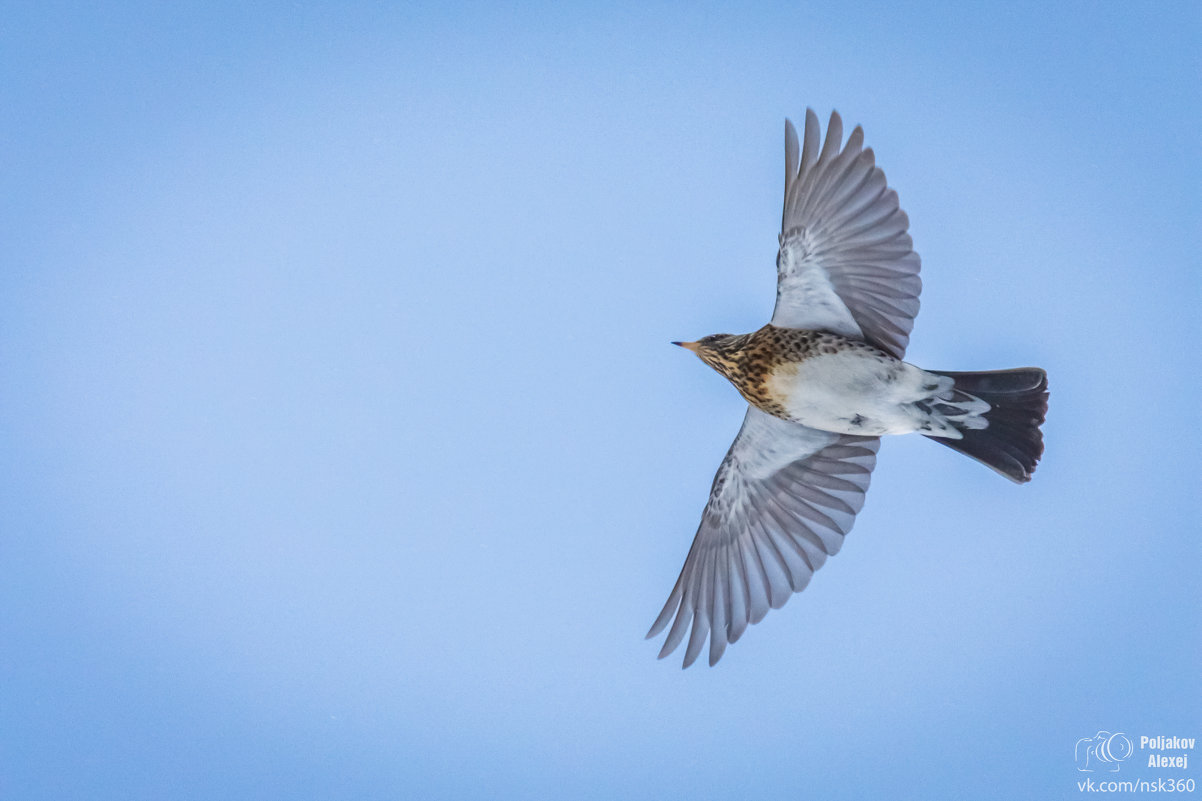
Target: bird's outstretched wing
[783, 499]
[846, 263]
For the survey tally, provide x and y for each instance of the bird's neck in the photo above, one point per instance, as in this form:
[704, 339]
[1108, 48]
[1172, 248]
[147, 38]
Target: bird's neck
[746, 363]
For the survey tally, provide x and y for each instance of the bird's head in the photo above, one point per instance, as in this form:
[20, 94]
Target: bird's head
[720, 351]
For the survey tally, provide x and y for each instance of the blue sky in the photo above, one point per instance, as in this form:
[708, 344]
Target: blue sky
[344, 455]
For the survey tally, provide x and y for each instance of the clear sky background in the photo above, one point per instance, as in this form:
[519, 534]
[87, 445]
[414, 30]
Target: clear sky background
[343, 453]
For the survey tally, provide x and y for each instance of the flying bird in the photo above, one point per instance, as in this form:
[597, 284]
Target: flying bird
[825, 380]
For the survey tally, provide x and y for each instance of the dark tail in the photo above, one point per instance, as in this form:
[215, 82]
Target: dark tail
[1011, 443]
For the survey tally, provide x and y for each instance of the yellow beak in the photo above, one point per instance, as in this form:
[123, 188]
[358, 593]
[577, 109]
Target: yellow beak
[690, 345]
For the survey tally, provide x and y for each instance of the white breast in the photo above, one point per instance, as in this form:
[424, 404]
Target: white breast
[854, 392]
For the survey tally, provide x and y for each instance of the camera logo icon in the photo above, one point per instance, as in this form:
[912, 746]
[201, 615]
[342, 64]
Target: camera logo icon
[1103, 751]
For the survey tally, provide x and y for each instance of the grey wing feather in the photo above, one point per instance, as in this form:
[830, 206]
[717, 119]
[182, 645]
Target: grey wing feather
[846, 262]
[784, 498]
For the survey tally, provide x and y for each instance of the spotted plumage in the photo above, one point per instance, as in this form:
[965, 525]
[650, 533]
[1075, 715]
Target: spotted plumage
[824, 380]
[751, 361]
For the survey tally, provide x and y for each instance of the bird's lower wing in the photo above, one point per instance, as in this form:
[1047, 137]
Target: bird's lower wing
[782, 501]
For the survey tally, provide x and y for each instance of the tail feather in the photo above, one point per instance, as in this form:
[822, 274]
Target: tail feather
[1011, 442]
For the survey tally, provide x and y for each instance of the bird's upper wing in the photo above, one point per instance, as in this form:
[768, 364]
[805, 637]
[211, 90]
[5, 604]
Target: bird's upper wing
[782, 501]
[846, 263]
